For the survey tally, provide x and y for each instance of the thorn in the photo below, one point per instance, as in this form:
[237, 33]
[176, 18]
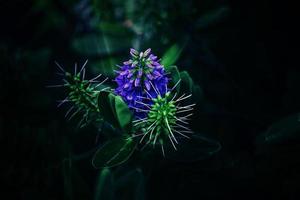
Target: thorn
[175, 85]
[54, 86]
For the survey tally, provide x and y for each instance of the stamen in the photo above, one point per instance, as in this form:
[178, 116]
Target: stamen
[180, 99]
[182, 134]
[175, 85]
[59, 66]
[154, 88]
[148, 106]
[148, 94]
[181, 120]
[187, 110]
[67, 113]
[172, 142]
[63, 101]
[75, 69]
[95, 78]
[55, 86]
[83, 66]
[101, 82]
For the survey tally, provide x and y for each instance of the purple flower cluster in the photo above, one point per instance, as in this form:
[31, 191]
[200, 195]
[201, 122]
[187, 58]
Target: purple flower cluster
[141, 77]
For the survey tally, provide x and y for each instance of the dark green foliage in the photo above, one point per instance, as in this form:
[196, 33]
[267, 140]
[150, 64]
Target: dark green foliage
[114, 152]
[105, 185]
[197, 148]
[171, 56]
[286, 130]
[115, 111]
[238, 59]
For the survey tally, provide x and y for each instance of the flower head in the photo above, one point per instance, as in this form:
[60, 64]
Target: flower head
[137, 76]
[166, 118]
[81, 93]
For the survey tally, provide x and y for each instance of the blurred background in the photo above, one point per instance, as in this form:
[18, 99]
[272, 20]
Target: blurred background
[242, 54]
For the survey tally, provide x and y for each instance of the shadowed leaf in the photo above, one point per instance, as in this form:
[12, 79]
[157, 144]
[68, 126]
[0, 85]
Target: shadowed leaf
[114, 152]
[171, 56]
[105, 186]
[281, 131]
[196, 148]
[175, 76]
[123, 114]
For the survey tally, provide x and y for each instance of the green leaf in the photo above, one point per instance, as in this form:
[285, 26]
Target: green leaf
[115, 111]
[105, 186]
[212, 17]
[97, 44]
[115, 29]
[194, 149]
[283, 130]
[104, 66]
[171, 56]
[123, 113]
[106, 106]
[175, 76]
[114, 152]
[186, 82]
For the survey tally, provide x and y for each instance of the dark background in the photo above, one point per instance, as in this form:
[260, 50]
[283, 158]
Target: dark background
[243, 54]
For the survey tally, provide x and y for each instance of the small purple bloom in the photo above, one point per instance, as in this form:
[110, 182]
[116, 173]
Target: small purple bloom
[139, 79]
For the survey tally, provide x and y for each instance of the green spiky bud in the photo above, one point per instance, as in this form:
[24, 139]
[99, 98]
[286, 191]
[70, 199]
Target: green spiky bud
[81, 93]
[165, 120]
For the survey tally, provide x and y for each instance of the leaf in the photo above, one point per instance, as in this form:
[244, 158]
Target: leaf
[171, 56]
[104, 66]
[106, 106]
[186, 85]
[198, 93]
[123, 113]
[175, 76]
[194, 149]
[114, 152]
[105, 186]
[115, 29]
[115, 110]
[95, 45]
[212, 17]
[281, 131]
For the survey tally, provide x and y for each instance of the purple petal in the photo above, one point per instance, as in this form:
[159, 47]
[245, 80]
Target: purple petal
[140, 73]
[147, 84]
[149, 76]
[134, 52]
[156, 73]
[152, 57]
[127, 62]
[126, 85]
[130, 74]
[137, 82]
[146, 53]
[149, 65]
[155, 63]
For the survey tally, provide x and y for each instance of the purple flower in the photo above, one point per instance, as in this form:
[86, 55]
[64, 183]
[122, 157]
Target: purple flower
[140, 79]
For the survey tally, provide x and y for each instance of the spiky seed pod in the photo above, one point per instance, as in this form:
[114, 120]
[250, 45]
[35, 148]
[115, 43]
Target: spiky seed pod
[166, 120]
[135, 77]
[81, 93]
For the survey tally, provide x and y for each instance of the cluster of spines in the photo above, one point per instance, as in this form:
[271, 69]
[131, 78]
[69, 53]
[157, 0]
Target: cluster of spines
[81, 93]
[166, 119]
